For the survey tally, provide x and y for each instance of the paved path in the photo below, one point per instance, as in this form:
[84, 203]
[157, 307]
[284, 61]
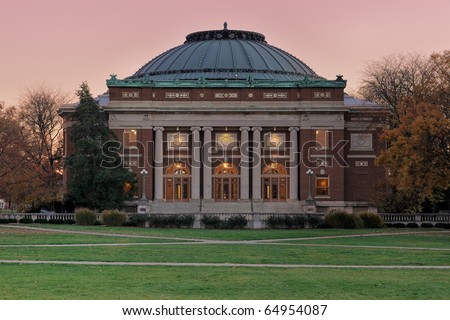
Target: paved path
[244, 265]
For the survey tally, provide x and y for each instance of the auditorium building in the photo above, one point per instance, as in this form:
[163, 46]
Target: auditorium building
[227, 123]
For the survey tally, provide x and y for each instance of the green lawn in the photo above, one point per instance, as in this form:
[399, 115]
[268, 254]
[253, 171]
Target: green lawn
[427, 240]
[136, 283]
[214, 234]
[50, 281]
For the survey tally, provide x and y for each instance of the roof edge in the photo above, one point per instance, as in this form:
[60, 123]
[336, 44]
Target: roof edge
[306, 82]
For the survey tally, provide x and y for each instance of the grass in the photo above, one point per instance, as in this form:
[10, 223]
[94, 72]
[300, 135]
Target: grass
[231, 253]
[231, 235]
[137, 283]
[427, 240]
[50, 281]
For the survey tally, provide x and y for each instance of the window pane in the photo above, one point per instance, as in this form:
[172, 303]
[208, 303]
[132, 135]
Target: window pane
[217, 188]
[234, 187]
[130, 138]
[226, 189]
[322, 186]
[322, 139]
[282, 193]
[267, 188]
[185, 188]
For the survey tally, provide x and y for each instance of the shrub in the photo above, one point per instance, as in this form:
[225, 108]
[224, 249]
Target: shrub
[136, 220]
[13, 220]
[442, 225]
[56, 221]
[185, 221]
[85, 217]
[171, 221]
[371, 220]
[281, 222]
[114, 218]
[26, 220]
[211, 222]
[236, 222]
[426, 225]
[398, 225]
[314, 221]
[412, 225]
[69, 221]
[40, 221]
[343, 220]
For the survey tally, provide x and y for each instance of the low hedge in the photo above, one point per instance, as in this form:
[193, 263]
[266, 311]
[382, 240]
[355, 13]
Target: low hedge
[40, 220]
[398, 225]
[136, 220]
[287, 222]
[234, 222]
[442, 225]
[412, 225]
[26, 220]
[6, 221]
[171, 221]
[211, 222]
[426, 225]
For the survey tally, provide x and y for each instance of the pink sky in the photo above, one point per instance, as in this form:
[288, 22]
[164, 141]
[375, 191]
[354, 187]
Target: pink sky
[62, 43]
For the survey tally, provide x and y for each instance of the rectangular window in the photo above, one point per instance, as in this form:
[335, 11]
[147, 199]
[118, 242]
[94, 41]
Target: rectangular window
[323, 186]
[130, 138]
[322, 139]
[178, 140]
[226, 140]
[274, 140]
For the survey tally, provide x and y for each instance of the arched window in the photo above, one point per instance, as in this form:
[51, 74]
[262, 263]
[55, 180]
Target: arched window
[275, 182]
[226, 182]
[177, 183]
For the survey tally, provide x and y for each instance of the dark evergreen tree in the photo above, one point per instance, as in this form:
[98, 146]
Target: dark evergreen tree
[97, 178]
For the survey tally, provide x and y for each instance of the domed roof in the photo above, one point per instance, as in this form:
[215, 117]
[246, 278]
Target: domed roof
[225, 54]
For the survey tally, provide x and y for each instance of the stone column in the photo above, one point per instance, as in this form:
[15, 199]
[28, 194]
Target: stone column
[245, 165]
[256, 163]
[293, 164]
[195, 163]
[159, 165]
[207, 164]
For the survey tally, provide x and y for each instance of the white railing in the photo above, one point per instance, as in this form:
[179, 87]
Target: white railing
[255, 220]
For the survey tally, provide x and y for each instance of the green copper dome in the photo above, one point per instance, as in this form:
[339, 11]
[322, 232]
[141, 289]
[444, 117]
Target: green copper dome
[225, 54]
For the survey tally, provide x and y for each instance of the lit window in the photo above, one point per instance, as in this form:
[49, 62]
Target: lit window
[322, 186]
[226, 140]
[130, 138]
[322, 139]
[178, 140]
[274, 140]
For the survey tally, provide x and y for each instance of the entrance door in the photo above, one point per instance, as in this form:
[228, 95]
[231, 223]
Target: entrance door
[226, 182]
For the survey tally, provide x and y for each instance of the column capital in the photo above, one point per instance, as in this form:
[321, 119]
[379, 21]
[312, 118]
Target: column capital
[207, 129]
[244, 129]
[158, 128]
[196, 129]
[294, 128]
[256, 129]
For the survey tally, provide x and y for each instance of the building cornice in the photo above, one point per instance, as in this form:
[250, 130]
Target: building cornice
[306, 82]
